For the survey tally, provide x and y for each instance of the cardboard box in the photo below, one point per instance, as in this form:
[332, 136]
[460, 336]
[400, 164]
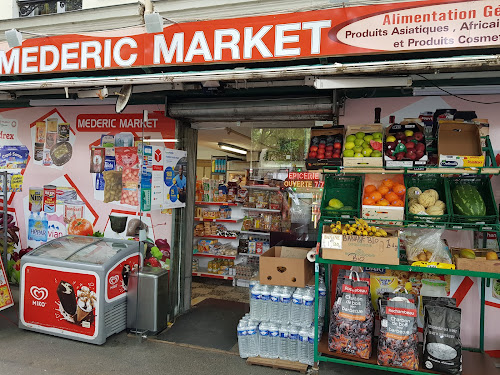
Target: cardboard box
[480, 264]
[364, 161]
[285, 266]
[390, 214]
[407, 124]
[459, 145]
[314, 163]
[364, 249]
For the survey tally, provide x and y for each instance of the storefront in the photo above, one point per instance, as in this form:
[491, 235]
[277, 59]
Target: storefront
[262, 112]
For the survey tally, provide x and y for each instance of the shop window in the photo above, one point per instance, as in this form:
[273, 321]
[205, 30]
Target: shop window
[40, 7]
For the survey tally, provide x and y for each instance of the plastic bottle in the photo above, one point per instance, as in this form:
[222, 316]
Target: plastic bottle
[251, 285]
[303, 345]
[296, 308]
[252, 339]
[265, 301]
[293, 343]
[274, 311]
[264, 340]
[322, 298]
[242, 338]
[255, 303]
[283, 344]
[274, 340]
[308, 308]
[310, 354]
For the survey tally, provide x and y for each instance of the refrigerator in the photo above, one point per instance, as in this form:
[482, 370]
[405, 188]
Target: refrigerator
[76, 287]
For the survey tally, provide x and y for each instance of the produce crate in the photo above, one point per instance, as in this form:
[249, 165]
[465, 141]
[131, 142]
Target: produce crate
[345, 188]
[479, 264]
[364, 161]
[408, 124]
[424, 182]
[483, 185]
[315, 163]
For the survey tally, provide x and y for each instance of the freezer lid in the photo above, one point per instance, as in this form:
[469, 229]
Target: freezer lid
[101, 251]
[63, 247]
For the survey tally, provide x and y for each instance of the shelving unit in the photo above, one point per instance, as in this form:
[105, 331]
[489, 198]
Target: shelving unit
[474, 360]
[216, 204]
[206, 255]
[213, 275]
[255, 233]
[218, 220]
[261, 209]
[261, 187]
[217, 237]
[215, 163]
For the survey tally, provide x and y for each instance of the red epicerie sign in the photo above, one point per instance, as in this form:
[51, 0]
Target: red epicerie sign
[54, 299]
[118, 276]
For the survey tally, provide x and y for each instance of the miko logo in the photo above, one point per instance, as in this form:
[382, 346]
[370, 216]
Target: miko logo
[39, 294]
[158, 155]
[114, 279]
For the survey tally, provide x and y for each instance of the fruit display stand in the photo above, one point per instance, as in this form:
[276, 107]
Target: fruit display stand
[359, 133]
[347, 187]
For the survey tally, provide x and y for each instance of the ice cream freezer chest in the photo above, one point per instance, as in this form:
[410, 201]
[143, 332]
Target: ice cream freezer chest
[75, 287]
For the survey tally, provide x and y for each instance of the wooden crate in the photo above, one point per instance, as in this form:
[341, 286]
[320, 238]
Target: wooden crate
[278, 364]
[364, 161]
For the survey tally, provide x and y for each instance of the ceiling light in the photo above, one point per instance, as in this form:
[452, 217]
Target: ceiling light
[232, 148]
[456, 90]
[101, 93]
[167, 140]
[69, 102]
[360, 82]
[153, 22]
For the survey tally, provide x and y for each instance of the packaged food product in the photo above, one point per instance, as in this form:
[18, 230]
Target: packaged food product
[130, 184]
[49, 198]
[107, 140]
[275, 223]
[126, 157]
[124, 140]
[63, 130]
[97, 159]
[275, 200]
[39, 150]
[352, 318]
[35, 199]
[112, 186]
[61, 153]
[40, 132]
[247, 223]
[261, 199]
[426, 245]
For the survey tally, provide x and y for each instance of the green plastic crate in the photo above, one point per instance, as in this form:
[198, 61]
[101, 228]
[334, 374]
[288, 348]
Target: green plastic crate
[345, 188]
[483, 185]
[425, 182]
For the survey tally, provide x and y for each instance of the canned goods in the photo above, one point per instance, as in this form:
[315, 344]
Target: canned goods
[49, 198]
[73, 209]
[35, 199]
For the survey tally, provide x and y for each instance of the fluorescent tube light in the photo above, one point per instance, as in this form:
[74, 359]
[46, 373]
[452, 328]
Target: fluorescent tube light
[331, 83]
[64, 102]
[232, 148]
[456, 90]
[167, 140]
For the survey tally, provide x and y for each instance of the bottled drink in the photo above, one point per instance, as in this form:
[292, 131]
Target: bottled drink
[274, 337]
[264, 340]
[252, 339]
[255, 303]
[284, 305]
[310, 356]
[283, 347]
[242, 338]
[293, 343]
[265, 301]
[252, 284]
[274, 310]
[322, 298]
[296, 309]
[308, 308]
[303, 345]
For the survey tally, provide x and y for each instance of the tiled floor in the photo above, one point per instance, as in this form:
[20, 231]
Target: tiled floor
[218, 289]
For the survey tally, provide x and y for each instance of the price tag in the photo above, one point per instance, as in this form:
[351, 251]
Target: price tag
[331, 241]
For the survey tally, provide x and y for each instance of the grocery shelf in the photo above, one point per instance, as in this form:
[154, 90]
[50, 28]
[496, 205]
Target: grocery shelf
[249, 255]
[217, 237]
[255, 233]
[473, 363]
[261, 187]
[402, 267]
[260, 209]
[207, 255]
[218, 220]
[215, 204]
[213, 275]
[427, 170]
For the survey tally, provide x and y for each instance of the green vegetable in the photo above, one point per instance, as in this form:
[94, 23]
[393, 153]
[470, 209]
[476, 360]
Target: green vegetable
[98, 234]
[156, 253]
[467, 201]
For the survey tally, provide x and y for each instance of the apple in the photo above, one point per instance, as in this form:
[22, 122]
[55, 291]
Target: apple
[420, 146]
[336, 155]
[410, 154]
[313, 154]
[419, 136]
[329, 148]
[419, 154]
[410, 145]
[400, 156]
[409, 139]
[400, 136]
[388, 153]
[391, 145]
[328, 154]
[322, 146]
[337, 145]
[313, 149]
[408, 133]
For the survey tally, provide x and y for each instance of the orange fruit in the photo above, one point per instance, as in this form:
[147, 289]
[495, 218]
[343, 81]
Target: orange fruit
[391, 196]
[399, 189]
[383, 190]
[368, 201]
[388, 182]
[370, 189]
[398, 203]
[383, 202]
[376, 196]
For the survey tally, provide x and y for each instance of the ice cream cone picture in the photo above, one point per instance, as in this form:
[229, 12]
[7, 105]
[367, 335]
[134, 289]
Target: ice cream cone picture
[86, 302]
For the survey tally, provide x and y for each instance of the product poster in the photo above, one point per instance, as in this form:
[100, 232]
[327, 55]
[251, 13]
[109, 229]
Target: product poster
[174, 177]
[157, 196]
[6, 299]
[118, 276]
[55, 300]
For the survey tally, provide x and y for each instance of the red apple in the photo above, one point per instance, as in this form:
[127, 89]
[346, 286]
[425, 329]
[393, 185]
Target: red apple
[313, 149]
[336, 155]
[419, 136]
[419, 154]
[322, 146]
[328, 154]
[410, 145]
[410, 154]
[391, 145]
[420, 147]
[400, 156]
[337, 145]
[321, 156]
[388, 153]
[400, 136]
[313, 154]
[409, 139]
[329, 148]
